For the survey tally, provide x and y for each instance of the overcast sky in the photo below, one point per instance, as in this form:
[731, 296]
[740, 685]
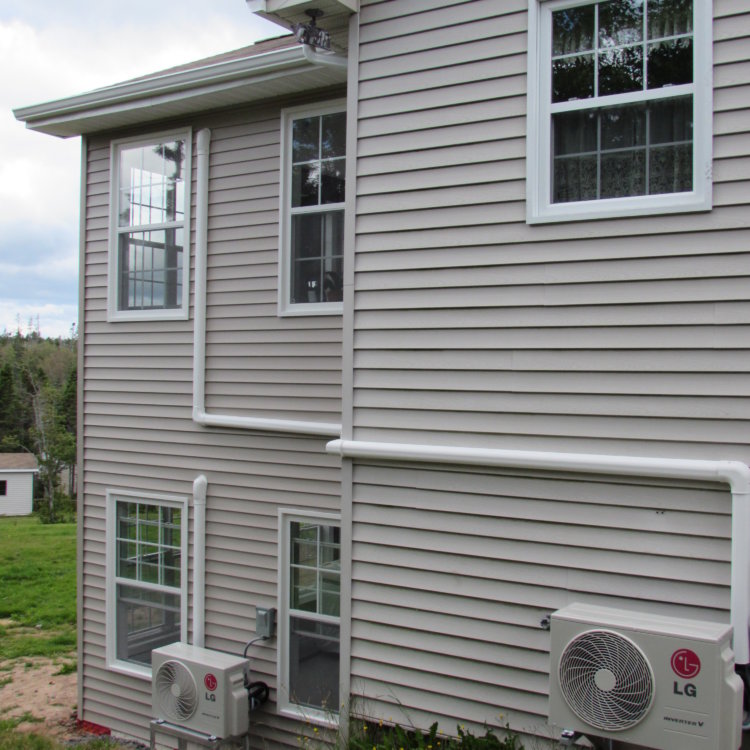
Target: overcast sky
[50, 50]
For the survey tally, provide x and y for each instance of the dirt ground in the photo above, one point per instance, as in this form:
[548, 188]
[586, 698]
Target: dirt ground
[31, 686]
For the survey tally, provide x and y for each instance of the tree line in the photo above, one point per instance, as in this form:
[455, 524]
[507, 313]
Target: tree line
[38, 410]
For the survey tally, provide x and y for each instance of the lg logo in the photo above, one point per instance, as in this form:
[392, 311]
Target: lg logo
[211, 684]
[686, 664]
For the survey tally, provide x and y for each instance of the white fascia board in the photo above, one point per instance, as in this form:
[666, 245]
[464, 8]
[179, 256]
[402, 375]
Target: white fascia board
[70, 116]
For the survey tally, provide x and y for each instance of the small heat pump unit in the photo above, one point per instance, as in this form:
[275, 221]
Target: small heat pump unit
[200, 689]
[658, 682]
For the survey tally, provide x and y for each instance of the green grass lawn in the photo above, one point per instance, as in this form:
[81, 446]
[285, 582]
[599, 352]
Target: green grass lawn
[37, 587]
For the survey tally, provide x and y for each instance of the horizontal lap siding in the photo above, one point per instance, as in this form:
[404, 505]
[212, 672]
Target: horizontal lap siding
[455, 293]
[453, 571]
[258, 363]
[472, 328]
[139, 435]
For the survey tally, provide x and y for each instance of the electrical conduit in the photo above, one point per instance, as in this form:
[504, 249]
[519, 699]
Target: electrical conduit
[200, 416]
[200, 486]
[733, 473]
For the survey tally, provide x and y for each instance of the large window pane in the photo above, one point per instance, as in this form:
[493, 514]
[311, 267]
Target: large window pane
[314, 664]
[152, 183]
[150, 269]
[317, 256]
[639, 149]
[145, 620]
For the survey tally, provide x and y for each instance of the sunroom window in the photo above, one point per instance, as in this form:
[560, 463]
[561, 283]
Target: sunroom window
[146, 577]
[310, 606]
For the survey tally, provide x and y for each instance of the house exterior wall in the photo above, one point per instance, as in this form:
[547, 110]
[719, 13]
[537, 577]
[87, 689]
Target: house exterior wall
[471, 328]
[19, 493]
[137, 430]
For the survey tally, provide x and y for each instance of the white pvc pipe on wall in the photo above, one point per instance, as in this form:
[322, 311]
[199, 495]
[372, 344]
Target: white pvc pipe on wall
[200, 416]
[733, 473]
[200, 487]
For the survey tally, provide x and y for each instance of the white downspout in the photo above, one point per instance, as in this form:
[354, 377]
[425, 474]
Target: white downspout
[200, 416]
[321, 58]
[200, 485]
[733, 473]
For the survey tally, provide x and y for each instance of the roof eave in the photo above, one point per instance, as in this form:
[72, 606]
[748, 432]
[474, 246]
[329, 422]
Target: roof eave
[176, 93]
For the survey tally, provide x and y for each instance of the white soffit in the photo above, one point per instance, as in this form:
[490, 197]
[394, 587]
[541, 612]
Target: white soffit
[172, 94]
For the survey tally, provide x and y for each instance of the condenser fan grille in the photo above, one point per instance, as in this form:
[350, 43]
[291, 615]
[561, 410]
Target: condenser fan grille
[606, 680]
[176, 691]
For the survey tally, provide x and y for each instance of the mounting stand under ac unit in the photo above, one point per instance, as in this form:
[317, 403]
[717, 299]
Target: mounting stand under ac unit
[185, 735]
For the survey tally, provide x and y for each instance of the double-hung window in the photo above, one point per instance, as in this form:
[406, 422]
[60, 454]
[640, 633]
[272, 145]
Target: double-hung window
[146, 577]
[309, 626]
[619, 108]
[149, 257]
[313, 165]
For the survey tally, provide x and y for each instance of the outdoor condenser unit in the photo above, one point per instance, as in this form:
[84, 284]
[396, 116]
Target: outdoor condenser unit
[200, 689]
[660, 682]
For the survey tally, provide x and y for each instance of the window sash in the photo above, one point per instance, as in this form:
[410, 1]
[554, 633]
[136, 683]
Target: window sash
[312, 283]
[298, 627]
[541, 207]
[144, 614]
[141, 206]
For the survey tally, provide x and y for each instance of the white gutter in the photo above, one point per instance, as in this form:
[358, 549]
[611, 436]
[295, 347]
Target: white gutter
[733, 473]
[321, 58]
[225, 71]
[200, 416]
[200, 485]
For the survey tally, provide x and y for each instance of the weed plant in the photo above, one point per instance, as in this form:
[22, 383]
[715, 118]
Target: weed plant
[366, 736]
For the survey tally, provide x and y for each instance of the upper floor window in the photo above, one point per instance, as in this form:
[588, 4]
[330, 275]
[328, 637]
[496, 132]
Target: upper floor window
[148, 251]
[312, 210]
[620, 116]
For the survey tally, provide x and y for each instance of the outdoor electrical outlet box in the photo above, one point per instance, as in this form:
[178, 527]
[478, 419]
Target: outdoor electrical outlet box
[265, 621]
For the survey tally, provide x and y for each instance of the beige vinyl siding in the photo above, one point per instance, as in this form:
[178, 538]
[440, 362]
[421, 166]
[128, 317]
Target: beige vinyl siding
[138, 432]
[455, 294]
[284, 368]
[454, 570]
[472, 328]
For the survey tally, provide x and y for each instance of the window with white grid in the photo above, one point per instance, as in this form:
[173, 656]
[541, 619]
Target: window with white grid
[620, 108]
[150, 196]
[146, 538]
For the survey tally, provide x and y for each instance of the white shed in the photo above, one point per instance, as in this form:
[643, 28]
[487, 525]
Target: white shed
[17, 483]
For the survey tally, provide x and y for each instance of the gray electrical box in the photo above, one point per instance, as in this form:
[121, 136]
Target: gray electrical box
[265, 621]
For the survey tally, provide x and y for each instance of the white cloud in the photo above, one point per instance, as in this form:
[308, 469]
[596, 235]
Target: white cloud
[56, 50]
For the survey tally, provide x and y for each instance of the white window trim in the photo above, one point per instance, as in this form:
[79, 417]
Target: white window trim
[286, 308]
[182, 312]
[285, 706]
[173, 501]
[539, 207]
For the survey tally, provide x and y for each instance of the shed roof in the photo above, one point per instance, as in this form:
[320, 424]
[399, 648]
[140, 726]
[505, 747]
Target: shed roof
[17, 462]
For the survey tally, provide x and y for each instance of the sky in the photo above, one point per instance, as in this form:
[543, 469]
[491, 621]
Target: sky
[49, 50]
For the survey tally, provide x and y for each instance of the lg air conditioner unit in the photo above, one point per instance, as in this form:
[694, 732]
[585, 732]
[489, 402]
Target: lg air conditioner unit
[659, 682]
[200, 689]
